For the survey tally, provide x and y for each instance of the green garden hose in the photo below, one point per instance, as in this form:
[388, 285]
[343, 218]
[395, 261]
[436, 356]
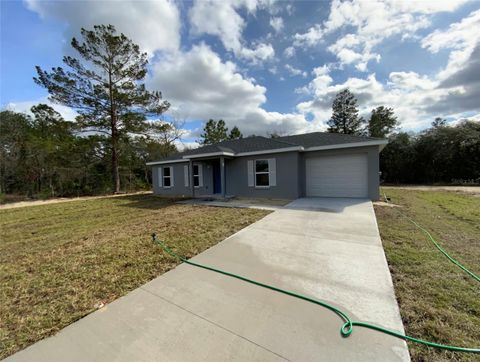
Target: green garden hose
[348, 325]
[472, 274]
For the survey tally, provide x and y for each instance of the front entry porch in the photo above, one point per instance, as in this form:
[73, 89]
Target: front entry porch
[207, 178]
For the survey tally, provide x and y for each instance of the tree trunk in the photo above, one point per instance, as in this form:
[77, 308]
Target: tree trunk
[115, 173]
[113, 124]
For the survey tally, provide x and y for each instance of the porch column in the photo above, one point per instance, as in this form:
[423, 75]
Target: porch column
[222, 175]
[190, 174]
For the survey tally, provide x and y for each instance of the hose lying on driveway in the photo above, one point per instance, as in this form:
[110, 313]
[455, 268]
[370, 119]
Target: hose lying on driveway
[347, 327]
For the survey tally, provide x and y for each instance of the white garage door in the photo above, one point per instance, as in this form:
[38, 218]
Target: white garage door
[337, 176]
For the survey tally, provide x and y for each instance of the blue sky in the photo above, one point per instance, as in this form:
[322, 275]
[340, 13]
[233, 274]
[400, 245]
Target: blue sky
[264, 65]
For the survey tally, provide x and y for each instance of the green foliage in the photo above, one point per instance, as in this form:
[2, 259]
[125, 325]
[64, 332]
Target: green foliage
[105, 87]
[439, 122]
[382, 122]
[235, 134]
[44, 156]
[441, 154]
[214, 132]
[345, 117]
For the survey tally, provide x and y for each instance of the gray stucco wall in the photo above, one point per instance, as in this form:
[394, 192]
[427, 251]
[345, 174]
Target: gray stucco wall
[290, 175]
[179, 188]
[286, 170]
[373, 166]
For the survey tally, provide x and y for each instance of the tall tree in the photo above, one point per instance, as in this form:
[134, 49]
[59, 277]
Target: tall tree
[382, 122]
[214, 132]
[105, 87]
[15, 129]
[235, 134]
[345, 117]
[49, 143]
[439, 122]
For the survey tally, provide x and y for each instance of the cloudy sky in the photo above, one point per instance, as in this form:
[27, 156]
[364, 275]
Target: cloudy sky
[264, 65]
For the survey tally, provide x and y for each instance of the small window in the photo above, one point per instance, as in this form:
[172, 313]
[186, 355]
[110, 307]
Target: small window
[196, 176]
[167, 177]
[262, 175]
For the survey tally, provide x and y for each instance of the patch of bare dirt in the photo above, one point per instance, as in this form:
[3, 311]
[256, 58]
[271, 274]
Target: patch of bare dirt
[14, 205]
[383, 203]
[468, 189]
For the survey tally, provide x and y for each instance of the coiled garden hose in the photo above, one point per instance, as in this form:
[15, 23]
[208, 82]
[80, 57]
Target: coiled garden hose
[347, 327]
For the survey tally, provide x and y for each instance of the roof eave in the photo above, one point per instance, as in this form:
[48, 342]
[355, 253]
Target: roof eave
[153, 163]
[380, 143]
[210, 154]
[274, 150]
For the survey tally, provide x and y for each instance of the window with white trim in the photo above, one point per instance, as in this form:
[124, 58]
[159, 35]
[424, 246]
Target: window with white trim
[167, 176]
[262, 174]
[196, 175]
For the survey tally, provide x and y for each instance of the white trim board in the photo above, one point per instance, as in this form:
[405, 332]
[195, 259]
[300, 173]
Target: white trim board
[277, 150]
[164, 162]
[347, 145]
[201, 155]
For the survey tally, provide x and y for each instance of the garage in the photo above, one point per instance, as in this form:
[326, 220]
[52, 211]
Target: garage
[337, 176]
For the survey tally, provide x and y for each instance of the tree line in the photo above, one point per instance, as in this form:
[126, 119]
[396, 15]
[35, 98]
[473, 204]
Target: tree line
[44, 155]
[439, 154]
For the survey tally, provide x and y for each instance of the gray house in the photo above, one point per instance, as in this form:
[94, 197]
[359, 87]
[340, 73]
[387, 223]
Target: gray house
[313, 164]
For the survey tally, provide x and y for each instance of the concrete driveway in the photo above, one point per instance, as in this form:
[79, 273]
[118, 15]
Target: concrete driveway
[326, 248]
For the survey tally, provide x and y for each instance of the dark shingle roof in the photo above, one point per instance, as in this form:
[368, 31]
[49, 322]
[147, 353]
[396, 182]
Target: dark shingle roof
[249, 144]
[259, 143]
[317, 139]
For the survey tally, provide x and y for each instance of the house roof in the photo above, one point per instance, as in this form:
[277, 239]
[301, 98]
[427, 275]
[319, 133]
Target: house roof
[249, 144]
[259, 144]
[317, 139]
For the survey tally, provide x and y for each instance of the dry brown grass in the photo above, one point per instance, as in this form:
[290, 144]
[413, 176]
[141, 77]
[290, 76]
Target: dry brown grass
[57, 262]
[438, 301]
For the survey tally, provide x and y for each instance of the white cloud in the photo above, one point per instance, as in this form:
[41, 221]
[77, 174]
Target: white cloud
[372, 22]
[410, 94]
[24, 107]
[457, 36]
[289, 52]
[295, 71]
[310, 38]
[153, 25]
[220, 18]
[202, 86]
[277, 24]
[461, 38]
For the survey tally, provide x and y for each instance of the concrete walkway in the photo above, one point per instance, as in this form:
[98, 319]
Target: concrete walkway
[325, 248]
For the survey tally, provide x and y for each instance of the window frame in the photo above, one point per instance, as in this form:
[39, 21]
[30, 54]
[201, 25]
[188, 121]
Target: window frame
[167, 177]
[196, 176]
[255, 173]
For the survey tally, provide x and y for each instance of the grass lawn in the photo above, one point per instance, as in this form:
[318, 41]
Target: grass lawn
[438, 301]
[58, 262]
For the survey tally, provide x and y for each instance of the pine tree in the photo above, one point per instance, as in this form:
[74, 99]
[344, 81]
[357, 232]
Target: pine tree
[235, 134]
[439, 122]
[345, 117]
[382, 122]
[105, 87]
[214, 132]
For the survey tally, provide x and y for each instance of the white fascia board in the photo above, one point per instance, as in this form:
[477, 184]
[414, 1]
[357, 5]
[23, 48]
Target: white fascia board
[164, 162]
[347, 145]
[276, 150]
[201, 155]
